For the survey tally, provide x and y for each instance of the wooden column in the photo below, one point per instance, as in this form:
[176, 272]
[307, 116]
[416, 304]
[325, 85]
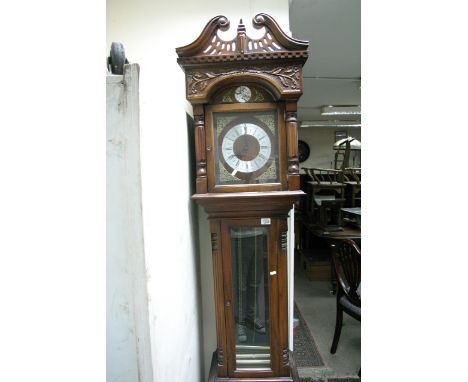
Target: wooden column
[216, 249]
[199, 118]
[293, 161]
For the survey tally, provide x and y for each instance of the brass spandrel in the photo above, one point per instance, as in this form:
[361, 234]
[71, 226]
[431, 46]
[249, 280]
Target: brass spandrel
[222, 121]
[268, 120]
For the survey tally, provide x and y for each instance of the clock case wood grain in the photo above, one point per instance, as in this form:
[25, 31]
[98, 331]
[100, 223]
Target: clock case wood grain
[272, 63]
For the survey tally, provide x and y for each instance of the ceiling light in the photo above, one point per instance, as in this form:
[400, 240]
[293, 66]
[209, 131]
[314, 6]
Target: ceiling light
[341, 110]
[330, 124]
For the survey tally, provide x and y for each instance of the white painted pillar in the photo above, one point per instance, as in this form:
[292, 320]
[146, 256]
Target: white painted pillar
[291, 246]
[127, 332]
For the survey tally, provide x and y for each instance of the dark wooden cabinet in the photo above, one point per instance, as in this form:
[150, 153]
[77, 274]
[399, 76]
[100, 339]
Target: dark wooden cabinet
[244, 94]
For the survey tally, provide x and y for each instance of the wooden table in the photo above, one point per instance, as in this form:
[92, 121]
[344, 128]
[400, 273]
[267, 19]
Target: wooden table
[348, 232]
[309, 231]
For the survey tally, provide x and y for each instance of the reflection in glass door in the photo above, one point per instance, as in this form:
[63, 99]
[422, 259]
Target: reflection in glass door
[249, 246]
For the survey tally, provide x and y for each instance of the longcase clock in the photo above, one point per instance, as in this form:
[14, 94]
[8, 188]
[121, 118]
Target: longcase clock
[244, 94]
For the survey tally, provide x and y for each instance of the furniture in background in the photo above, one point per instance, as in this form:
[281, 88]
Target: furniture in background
[350, 173]
[346, 258]
[313, 240]
[325, 197]
[352, 181]
[330, 211]
[315, 250]
[352, 216]
[344, 148]
[330, 184]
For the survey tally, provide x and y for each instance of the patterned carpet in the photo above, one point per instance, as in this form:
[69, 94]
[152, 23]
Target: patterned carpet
[306, 353]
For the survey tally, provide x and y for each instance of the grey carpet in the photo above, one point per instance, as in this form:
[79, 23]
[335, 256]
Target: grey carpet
[318, 307]
[345, 379]
[306, 353]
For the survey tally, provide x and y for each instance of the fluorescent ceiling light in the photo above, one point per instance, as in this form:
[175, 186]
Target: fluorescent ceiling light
[331, 124]
[341, 110]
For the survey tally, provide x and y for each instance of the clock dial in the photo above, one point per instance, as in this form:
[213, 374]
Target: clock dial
[246, 147]
[243, 93]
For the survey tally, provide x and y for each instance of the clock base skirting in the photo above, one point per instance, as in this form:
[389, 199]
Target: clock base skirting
[213, 376]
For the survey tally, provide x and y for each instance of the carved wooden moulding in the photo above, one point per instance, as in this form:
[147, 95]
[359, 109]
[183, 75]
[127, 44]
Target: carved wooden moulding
[275, 59]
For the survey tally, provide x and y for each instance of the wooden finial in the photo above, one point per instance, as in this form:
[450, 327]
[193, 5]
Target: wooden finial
[241, 27]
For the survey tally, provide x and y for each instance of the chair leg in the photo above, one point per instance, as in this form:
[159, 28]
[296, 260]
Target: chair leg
[339, 323]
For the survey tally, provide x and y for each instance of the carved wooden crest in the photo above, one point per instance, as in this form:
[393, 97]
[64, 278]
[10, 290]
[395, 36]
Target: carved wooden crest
[274, 60]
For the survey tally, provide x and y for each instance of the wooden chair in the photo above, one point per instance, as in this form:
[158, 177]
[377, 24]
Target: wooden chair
[346, 257]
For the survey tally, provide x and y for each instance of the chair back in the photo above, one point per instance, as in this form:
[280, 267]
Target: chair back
[346, 258]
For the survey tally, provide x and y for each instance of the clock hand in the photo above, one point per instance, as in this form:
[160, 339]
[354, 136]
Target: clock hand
[235, 167]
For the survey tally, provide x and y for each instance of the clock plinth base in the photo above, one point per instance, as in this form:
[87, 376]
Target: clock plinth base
[293, 377]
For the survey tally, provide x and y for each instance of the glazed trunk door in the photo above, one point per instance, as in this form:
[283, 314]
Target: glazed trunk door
[251, 297]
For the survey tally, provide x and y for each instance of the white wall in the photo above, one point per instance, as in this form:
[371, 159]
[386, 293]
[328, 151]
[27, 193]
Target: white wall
[150, 32]
[321, 140]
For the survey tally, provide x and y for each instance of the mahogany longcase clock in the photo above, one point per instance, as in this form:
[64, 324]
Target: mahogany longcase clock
[244, 94]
